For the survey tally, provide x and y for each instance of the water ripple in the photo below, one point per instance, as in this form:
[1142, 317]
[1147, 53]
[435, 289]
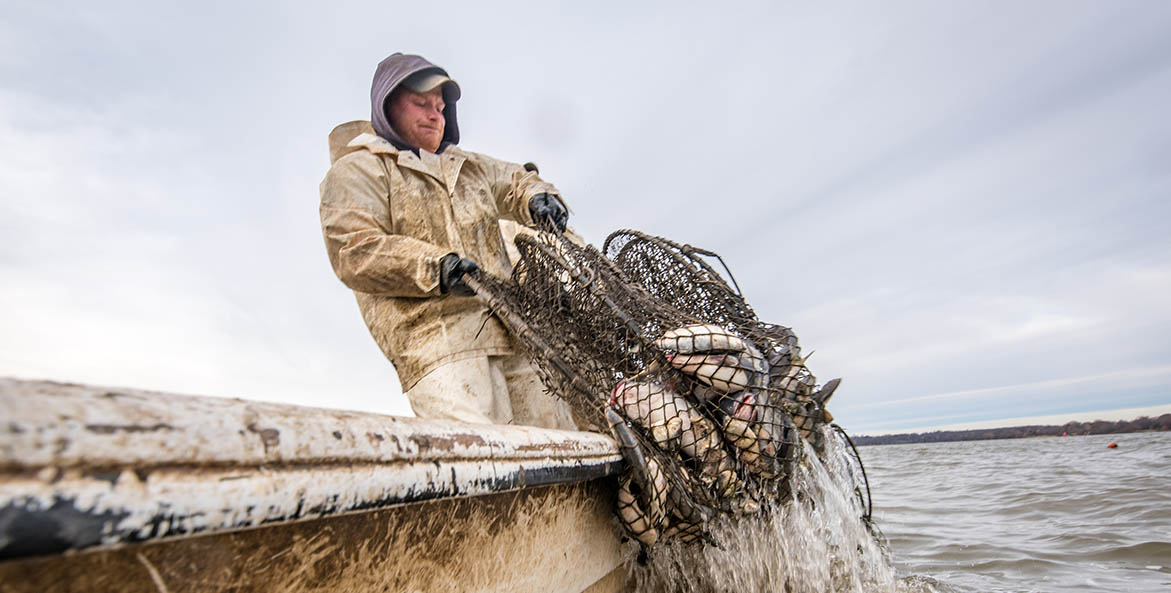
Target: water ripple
[1043, 514]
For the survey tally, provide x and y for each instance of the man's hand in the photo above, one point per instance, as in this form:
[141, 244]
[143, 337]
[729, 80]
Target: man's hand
[549, 206]
[451, 274]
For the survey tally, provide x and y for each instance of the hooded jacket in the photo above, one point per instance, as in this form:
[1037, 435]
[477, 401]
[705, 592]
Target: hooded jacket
[389, 214]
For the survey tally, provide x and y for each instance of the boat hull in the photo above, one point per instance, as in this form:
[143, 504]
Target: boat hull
[126, 490]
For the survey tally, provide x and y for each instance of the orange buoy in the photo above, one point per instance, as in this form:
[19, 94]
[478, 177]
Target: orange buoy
[1112, 446]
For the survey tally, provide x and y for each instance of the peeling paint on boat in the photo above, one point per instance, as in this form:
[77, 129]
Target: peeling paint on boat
[85, 466]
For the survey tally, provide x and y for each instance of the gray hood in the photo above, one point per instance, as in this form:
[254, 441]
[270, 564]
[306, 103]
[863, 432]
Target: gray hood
[390, 73]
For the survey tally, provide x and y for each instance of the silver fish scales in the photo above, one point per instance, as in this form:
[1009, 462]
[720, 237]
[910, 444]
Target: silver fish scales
[702, 338]
[724, 372]
[657, 409]
[674, 424]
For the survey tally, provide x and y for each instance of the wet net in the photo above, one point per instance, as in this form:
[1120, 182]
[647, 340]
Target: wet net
[710, 406]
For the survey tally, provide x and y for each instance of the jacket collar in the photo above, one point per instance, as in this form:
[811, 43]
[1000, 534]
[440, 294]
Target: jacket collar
[444, 167]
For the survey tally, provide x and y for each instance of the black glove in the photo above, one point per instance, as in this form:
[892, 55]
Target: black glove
[549, 206]
[451, 275]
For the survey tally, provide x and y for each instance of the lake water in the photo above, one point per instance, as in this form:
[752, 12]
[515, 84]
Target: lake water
[1044, 514]
[1041, 514]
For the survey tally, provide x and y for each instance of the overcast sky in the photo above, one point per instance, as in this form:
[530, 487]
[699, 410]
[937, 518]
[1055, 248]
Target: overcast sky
[963, 208]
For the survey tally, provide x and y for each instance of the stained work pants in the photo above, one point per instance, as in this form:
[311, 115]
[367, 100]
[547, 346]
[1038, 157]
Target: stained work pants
[489, 390]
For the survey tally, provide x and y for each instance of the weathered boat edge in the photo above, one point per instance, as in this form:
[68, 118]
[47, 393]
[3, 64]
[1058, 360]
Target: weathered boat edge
[99, 471]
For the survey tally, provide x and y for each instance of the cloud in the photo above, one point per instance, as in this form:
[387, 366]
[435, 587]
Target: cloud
[940, 200]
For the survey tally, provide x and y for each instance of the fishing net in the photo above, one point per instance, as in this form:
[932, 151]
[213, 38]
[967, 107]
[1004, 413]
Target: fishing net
[644, 339]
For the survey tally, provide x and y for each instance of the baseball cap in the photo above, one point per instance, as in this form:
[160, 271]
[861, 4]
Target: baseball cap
[428, 80]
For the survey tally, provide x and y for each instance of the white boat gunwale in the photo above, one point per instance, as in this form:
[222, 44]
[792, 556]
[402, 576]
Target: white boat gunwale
[86, 467]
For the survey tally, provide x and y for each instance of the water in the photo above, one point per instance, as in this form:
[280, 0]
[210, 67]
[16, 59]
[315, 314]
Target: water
[818, 544]
[1048, 514]
[1043, 514]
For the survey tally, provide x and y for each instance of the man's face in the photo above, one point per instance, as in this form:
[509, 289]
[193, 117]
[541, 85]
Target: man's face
[418, 117]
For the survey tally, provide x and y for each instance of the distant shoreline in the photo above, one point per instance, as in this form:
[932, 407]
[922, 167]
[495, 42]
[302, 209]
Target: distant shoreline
[1141, 424]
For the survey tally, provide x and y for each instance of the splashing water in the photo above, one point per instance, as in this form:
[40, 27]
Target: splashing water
[816, 542]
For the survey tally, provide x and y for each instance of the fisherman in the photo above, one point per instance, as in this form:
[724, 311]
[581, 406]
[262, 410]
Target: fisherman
[406, 215]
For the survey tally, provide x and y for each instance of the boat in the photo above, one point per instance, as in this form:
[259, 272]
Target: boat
[118, 489]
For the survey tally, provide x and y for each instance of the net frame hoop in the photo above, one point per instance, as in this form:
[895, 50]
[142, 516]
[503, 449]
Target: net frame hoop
[685, 255]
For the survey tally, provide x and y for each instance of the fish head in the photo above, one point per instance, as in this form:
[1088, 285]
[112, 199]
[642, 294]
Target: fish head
[694, 362]
[671, 384]
[746, 406]
[619, 388]
[741, 404]
[729, 403]
[702, 392]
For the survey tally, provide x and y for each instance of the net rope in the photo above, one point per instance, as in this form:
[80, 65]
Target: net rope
[644, 339]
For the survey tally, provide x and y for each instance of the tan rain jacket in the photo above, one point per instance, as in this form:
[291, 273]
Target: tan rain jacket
[389, 216]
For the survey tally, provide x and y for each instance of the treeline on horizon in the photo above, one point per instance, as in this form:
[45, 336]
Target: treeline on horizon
[1141, 424]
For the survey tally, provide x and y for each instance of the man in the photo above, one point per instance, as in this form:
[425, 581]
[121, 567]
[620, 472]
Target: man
[406, 215]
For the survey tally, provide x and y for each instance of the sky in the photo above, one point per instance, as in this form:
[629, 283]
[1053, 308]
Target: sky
[963, 209]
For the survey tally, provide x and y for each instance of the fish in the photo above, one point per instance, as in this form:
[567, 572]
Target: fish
[796, 388]
[654, 407]
[649, 476]
[741, 405]
[739, 433]
[784, 339]
[721, 372]
[767, 444]
[683, 506]
[636, 521]
[702, 442]
[796, 381]
[784, 444]
[643, 496]
[765, 463]
[684, 531]
[821, 396]
[657, 499]
[703, 393]
[741, 436]
[804, 415]
[675, 425]
[739, 416]
[724, 372]
[702, 338]
[827, 391]
[686, 519]
[746, 422]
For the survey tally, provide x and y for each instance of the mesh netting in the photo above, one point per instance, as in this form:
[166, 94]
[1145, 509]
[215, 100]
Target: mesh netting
[645, 340]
